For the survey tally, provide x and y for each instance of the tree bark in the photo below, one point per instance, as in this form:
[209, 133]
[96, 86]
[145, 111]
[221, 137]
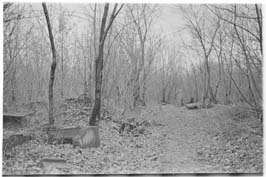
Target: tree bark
[53, 66]
[62, 65]
[259, 19]
[95, 116]
[196, 84]
[98, 72]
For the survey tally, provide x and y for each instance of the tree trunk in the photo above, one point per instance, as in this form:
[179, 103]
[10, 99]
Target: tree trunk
[98, 72]
[196, 84]
[62, 66]
[14, 84]
[95, 116]
[99, 63]
[259, 19]
[136, 93]
[53, 66]
[98, 85]
[164, 92]
[144, 94]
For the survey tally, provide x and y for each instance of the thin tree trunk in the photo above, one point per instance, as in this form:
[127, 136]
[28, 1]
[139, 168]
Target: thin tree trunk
[62, 66]
[259, 18]
[13, 86]
[53, 66]
[98, 72]
[246, 57]
[98, 84]
[196, 84]
[95, 116]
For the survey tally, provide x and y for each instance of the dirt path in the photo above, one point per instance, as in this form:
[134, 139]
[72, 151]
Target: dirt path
[185, 131]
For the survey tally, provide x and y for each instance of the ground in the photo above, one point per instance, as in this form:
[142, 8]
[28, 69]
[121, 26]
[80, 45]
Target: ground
[190, 131]
[222, 139]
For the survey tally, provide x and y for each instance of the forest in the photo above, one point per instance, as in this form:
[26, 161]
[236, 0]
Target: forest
[132, 88]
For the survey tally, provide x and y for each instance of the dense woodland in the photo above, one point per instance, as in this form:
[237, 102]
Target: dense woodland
[117, 56]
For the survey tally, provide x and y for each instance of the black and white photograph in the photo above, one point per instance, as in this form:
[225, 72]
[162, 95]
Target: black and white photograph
[119, 88]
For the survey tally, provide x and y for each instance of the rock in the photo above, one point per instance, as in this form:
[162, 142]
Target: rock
[53, 165]
[88, 137]
[83, 137]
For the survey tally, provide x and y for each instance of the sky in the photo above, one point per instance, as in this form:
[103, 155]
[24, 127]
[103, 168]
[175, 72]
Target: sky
[169, 22]
[172, 23]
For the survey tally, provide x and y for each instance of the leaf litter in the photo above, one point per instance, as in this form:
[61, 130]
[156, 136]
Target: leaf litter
[175, 140]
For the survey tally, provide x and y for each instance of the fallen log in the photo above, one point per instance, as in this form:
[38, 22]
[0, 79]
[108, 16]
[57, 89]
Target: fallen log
[164, 102]
[15, 119]
[14, 140]
[11, 117]
[192, 106]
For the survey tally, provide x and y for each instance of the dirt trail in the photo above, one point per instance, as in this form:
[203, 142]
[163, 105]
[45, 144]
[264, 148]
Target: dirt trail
[184, 131]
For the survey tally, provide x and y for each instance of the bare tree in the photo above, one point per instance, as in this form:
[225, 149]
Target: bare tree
[53, 66]
[99, 61]
[197, 24]
[62, 31]
[245, 52]
[16, 41]
[6, 6]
